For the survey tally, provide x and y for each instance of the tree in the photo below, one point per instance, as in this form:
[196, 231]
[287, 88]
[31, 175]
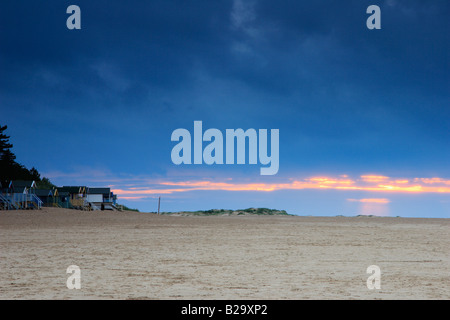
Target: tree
[11, 170]
[36, 176]
[45, 183]
[8, 158]
[4, 141]
[8, 165]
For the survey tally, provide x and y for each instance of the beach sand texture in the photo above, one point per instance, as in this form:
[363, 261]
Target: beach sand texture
[144, 256]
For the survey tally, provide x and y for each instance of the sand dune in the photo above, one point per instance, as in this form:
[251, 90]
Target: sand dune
[145, 256]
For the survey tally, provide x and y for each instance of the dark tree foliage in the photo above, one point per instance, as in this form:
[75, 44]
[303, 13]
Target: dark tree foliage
[12, 170]
[4, 140]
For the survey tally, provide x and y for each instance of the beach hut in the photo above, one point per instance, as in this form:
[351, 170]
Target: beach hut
[64, 200]
[98, 195]
[46, 195]
[23, 186]
[77, 195]
[23, 194]
[6, 196]
[101, 198]
[19, 190]
[61, 199]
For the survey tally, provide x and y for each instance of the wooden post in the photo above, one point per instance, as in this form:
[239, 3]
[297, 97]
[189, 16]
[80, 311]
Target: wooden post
[159, 203]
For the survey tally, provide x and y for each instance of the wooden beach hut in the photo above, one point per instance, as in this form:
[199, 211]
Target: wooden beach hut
[101, 198]
[23, 186]
[77, 195]
[46, 195]
[23, 194]
[61, 199]
[6, 196]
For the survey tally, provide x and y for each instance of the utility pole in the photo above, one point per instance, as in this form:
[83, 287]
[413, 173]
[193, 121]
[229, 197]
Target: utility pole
[159, 204]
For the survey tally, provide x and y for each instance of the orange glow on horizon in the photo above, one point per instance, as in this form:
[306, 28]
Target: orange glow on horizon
[375, 183]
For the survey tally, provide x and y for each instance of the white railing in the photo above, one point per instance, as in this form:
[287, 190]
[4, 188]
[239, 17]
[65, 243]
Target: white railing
[7, 202]
[24, 201]
[34, 198]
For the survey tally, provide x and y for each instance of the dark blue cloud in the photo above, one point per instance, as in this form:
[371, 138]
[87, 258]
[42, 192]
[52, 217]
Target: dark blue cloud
[344, 97]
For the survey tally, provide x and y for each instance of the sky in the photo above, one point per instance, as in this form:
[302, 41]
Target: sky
[363, 114]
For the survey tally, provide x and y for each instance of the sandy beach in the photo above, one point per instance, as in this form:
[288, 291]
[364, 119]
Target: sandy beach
[128, 255]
